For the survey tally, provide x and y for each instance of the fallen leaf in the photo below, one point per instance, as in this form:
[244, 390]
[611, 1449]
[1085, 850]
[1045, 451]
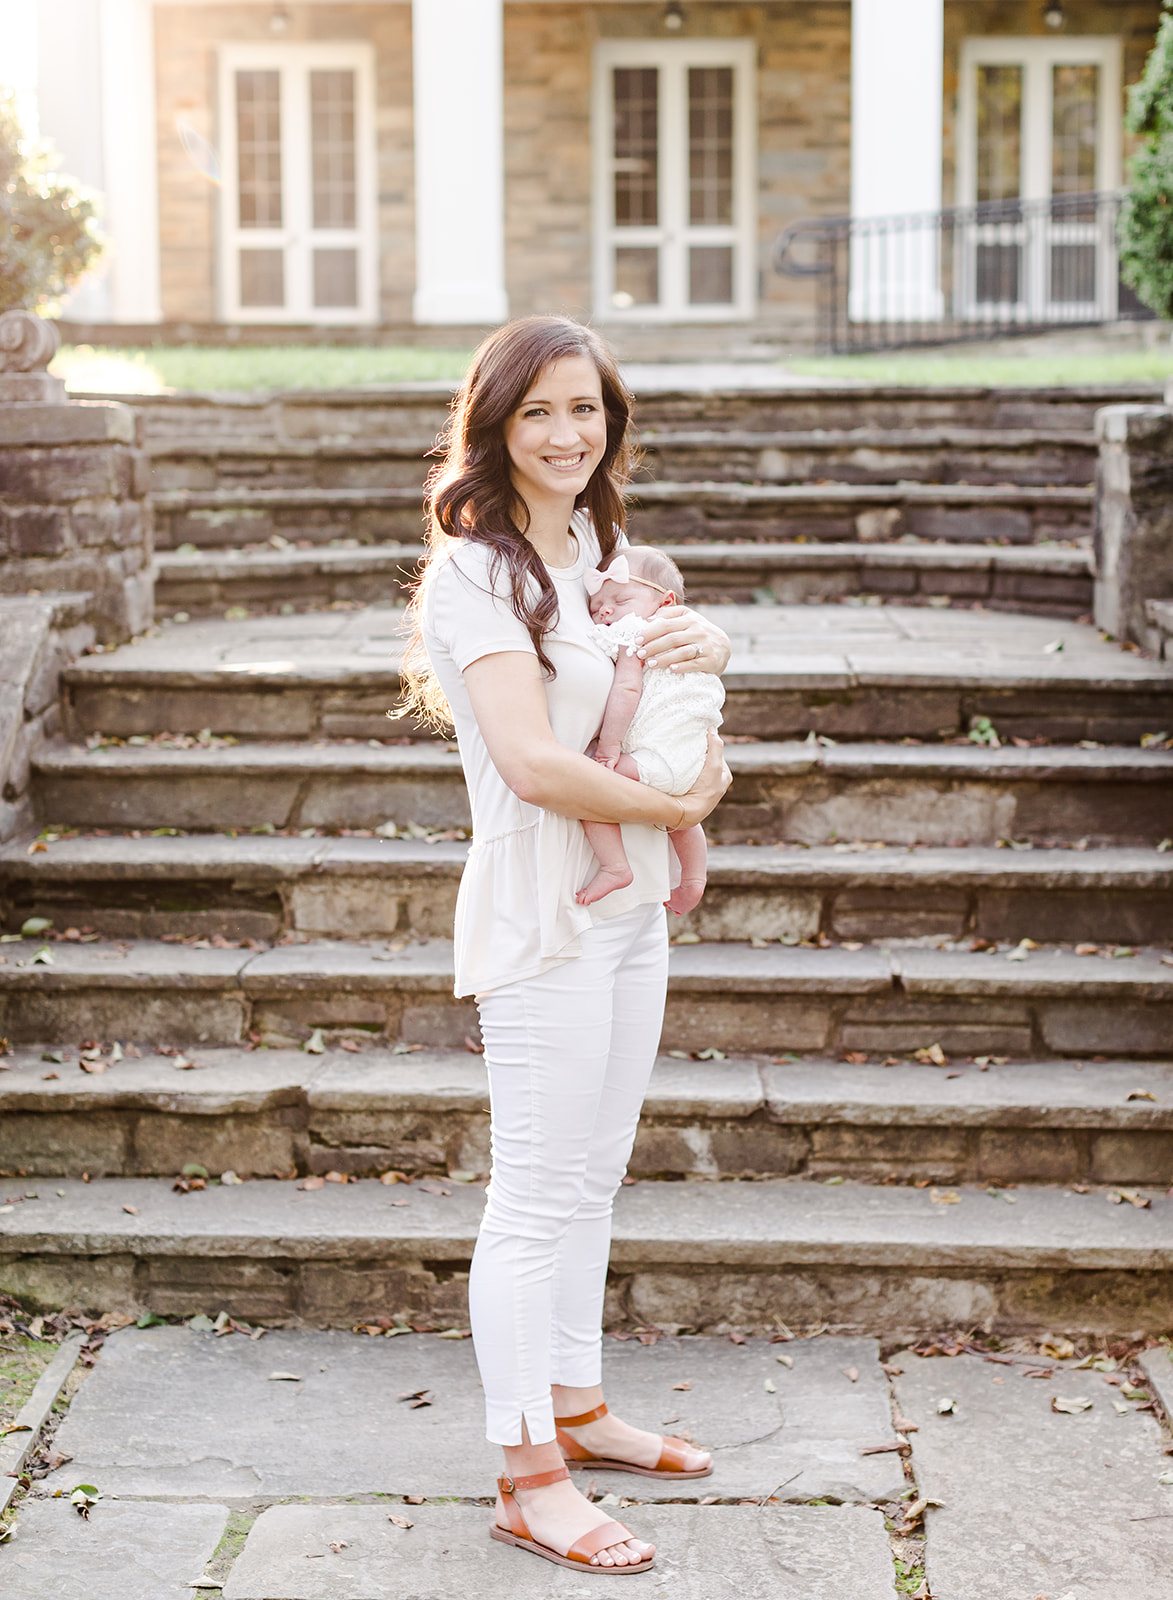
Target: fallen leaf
[93, 1065]
[1057, 1349]
[1121, 1409]
[417, 1397]
[852, 1373]
[1142, 1202]
[131, 1210]
[945, 1197]
[897, 1447]
[393, 1177]
[737, 1338]
[1131, 1391]
[400, 1522]
[455, 1333]
[687, 1384]
[892, 1370]
[932, 1054]
[337, 1177]
[285, 1377]
[230, 1178]
[903, 1425]
[1070, 1405]
[916, 1510]
[473, 1046]
[83, 1498]
[785, 1360]
[1166, 1477]
[314, 1182]
[946, 1407]
[435, 1188]
[1087, 949]
[315, 1045]
[414, 1499]
[338, 1546]
[770, 1387]
[1140, 1094]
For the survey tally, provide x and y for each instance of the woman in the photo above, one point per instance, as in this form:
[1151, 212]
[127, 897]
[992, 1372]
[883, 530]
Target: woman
[528, 498]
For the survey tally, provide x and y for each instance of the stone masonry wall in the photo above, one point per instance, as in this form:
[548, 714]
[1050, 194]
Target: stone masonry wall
[1134, 519]
[804, 142]
[73, 510]
[38, 636]
[187, 38]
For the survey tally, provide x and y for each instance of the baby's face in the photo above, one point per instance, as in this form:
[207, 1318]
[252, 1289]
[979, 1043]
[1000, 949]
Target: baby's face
[615, 600]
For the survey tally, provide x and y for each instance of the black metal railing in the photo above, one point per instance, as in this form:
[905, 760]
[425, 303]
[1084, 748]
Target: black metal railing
[967, 272]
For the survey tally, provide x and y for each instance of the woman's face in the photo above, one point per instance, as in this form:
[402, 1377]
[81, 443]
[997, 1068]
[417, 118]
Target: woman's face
[558, 435]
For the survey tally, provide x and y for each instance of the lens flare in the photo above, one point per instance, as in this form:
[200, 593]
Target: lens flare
[203, 156]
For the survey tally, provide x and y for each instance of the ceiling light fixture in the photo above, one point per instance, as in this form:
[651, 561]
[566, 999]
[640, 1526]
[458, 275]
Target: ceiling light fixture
[279, 19]
[1054, 16]
[674, 16]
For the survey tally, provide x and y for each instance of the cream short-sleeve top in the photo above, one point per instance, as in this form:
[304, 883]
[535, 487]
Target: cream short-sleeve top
[516, 914]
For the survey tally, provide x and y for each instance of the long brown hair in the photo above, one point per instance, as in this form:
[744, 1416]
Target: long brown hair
[470, 494]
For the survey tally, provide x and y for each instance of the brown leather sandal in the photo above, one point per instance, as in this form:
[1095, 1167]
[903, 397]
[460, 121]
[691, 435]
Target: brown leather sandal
[670, 1464]
[580, 1553]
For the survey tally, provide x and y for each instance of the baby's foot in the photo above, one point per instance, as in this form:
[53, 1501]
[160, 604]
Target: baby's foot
[686, 896]
[605, 881]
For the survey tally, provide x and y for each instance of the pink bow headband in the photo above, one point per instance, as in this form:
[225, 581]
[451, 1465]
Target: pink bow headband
[618, 572]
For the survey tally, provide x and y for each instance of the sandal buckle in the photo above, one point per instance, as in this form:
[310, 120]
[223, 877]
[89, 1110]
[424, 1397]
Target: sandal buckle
[507, 1485]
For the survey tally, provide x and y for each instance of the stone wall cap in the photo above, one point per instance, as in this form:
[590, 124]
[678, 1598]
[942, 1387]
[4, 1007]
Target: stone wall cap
[74, 422]
[1117, 424]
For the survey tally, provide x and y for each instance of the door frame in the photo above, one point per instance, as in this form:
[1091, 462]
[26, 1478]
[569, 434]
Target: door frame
[288, 58]
[678, 55]
[1037, 56]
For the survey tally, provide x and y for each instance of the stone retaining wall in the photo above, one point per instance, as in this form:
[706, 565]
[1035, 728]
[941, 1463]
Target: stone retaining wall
[38, 636]
[1133, 519]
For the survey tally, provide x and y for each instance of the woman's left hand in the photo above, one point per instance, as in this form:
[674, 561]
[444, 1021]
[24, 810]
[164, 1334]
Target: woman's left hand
[681, 639]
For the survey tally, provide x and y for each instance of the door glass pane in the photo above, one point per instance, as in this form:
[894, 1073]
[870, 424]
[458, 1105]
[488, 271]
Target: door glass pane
[637, 147]
[333, 158]
[999, 133]
[335, 277]
[1073, 273]
[710, 145]
[710, 275]
[998, 274]
[262, 277]
[1075, 93]
[258, 144]
[637, 277]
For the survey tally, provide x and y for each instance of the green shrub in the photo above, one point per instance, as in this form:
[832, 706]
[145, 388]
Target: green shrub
[46, 224]
[1146, 222]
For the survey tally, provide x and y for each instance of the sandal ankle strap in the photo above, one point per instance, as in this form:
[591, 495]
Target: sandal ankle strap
[581, 1421]
[536, 1480]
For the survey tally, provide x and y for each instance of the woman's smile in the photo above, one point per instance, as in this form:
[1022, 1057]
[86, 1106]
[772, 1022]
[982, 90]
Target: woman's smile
[558, 434]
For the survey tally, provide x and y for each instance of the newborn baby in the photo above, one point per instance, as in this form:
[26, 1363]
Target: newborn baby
[656, 724]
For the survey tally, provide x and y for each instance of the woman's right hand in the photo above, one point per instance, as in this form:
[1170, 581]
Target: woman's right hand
[705, 793]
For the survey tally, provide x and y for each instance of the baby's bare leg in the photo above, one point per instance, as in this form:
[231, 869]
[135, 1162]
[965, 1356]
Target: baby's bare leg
[692, 852]
[606, 840]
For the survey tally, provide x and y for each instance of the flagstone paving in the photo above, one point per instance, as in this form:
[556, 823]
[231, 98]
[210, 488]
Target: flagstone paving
[172, 1412]
[708, 1553]
[125, 1551]
[1036, 1502]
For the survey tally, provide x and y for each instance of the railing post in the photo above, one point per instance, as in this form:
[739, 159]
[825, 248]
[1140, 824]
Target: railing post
[1133, 517]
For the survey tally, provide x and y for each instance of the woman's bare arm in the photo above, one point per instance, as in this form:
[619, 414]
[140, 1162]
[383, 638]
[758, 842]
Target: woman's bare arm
[509, 702]
[671, 638]
[621, 706]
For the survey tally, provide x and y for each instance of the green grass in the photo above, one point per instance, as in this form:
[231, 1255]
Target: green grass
[1030, 369]
[96, 369]
[22, 1362]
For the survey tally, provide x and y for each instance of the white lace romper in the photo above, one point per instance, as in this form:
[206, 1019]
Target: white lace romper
[668, 736]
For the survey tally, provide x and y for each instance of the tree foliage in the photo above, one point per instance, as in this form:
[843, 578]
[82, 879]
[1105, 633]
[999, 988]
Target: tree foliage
[1146, 222]
[47, 237]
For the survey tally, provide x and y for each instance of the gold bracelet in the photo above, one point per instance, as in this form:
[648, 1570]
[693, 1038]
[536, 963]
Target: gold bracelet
[673, 827]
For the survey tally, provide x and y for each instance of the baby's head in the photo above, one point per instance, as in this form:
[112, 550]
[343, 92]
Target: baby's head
[645, 579]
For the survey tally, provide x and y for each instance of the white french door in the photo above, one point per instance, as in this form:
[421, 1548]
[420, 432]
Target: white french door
[298, 200]
[1040, 121]
[674, 179]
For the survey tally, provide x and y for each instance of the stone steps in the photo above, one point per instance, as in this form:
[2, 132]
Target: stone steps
[1053, 580]
[802, 793]
[661, 513]
[276, 1111]
[734, 998]
[1036, 456]
[258, 887]
[409, 413]
[698, 1254]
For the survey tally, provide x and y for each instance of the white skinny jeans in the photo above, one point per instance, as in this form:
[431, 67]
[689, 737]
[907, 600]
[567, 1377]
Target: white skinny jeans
[569, 1055]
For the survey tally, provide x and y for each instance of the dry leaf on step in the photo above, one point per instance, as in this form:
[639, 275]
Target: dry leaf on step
[1071, 1404]
[687, 1384]
[400, 1522]
[285, 1377]
[852, 1373]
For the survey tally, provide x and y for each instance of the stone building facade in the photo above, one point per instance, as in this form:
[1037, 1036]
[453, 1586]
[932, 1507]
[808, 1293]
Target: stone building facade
[632, 161]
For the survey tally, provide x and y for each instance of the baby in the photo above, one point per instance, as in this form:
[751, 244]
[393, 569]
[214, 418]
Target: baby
[656, 724]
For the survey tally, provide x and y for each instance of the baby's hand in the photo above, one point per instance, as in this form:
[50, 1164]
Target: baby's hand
[605, 759]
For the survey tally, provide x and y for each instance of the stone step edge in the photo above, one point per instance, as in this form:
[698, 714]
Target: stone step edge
[929, 437]
[693, 1225]
[791, 758]
[212, 562]
[425, 965]
[713, 491]
[265, 858]
[232, 1081]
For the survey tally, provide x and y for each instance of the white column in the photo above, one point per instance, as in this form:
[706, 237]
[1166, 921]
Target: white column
[69, 92]
[897, 51]
[458, 71]
[127, 70]
[18, 62]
